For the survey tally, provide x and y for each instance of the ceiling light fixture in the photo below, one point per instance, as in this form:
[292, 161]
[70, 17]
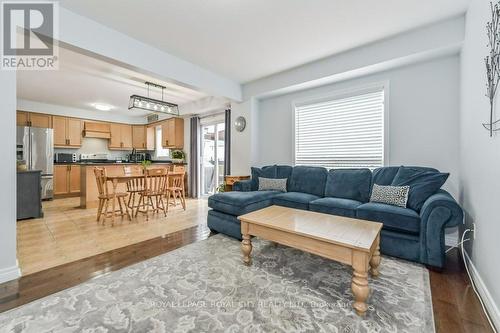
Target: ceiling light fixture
[151, 104]
[102, 107]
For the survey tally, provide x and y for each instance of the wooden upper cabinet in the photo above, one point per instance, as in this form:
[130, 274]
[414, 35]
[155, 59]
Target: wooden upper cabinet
[150, 138]
[121, 136]
[74, 132]
[59, 124]
[143, 137]
[67, 131]
[32, 119]
[22, 118]
[172, 132]
[116, 136]
[40, 120]
[139, 137]
[126, 133]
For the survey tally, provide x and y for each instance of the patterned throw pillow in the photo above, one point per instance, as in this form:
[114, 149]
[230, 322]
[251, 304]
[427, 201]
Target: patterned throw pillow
[391, 195]
[271, 184]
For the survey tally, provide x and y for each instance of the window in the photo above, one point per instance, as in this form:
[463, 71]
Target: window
[343, 132]
[160, 151]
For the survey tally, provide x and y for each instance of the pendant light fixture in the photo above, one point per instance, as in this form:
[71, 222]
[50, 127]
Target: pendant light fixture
[151, 104]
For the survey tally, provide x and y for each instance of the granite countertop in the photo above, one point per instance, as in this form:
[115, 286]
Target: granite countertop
[28, 171]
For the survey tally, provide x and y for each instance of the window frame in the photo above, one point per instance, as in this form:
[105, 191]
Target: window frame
[345, 93]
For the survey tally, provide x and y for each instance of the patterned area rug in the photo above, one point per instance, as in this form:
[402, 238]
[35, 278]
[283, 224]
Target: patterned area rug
[204, 287]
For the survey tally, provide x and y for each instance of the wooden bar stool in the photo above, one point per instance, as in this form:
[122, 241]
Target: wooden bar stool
[176, 189]
[155, 186]
[105, 197]
[134, 186]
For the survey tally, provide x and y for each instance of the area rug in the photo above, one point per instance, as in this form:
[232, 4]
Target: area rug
[204, 287]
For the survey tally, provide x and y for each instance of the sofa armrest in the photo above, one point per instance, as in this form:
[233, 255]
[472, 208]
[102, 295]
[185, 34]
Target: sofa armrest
[243, 185]
[440, 211]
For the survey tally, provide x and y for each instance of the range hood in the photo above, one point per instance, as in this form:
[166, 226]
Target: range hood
[96, 130]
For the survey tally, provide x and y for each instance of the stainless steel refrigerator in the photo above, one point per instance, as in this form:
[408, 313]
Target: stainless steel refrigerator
[36, 147]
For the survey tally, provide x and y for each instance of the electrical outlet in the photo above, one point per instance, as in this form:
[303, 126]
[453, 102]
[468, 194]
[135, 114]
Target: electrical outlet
[473, 230]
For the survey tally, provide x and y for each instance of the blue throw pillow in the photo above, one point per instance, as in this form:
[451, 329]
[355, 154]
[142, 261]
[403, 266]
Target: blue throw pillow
[264, 172]
[423, 184]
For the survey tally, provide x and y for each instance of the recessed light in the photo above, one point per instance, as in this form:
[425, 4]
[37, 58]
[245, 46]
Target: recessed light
[102, 107]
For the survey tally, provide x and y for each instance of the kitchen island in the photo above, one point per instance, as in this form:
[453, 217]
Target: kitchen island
[88, 186]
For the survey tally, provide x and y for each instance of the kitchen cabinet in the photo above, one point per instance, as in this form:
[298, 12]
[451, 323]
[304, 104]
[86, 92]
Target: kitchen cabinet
[172, 133]
[32, 119]
[66, 179]
[143, 137]
[67, 131]
[121, 137]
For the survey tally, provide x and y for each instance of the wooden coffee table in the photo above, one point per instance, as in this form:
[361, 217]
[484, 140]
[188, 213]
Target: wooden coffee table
[347, 240]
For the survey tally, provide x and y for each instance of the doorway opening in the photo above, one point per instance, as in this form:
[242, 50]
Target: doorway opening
[212, 157]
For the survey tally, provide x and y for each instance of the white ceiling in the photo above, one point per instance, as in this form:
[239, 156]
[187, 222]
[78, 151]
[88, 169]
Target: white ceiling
[82, 81]
[249, 39]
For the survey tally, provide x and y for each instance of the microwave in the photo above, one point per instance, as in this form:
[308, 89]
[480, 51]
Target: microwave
[65, 158]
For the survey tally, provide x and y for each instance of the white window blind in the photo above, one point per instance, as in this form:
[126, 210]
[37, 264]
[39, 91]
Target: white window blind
[345, 132]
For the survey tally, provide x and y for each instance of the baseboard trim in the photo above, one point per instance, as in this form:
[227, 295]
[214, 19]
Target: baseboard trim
[10, 273]
[488, 301]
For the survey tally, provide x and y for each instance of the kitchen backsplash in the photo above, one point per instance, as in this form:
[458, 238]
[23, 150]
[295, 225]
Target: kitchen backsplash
[95, 146]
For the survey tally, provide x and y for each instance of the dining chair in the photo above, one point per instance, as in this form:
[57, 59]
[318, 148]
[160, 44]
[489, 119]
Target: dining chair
[155, 186]
[176, 189]
[135, 185]
[105, 196]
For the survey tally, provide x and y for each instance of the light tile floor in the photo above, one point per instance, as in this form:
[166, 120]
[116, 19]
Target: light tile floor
[67, 233]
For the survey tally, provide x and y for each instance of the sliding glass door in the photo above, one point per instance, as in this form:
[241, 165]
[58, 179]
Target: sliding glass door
[212, 159]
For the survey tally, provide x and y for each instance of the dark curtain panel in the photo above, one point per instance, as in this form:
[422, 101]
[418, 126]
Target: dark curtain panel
[193, 155]
[227, 143]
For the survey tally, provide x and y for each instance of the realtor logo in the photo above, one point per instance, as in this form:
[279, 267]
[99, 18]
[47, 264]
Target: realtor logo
[29, 35]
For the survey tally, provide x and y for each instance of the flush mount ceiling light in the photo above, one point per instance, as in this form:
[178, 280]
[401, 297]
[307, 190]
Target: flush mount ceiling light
[151, 104]
[102, 107]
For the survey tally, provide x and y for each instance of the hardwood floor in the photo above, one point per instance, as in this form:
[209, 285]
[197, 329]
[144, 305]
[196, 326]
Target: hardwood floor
[456, 307]
[67, 233]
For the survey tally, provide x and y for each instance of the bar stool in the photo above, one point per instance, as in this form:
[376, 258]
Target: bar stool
[104, 198]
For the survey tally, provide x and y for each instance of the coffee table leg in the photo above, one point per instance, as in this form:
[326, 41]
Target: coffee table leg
[375, 260]
[359, 283]
[246, 248]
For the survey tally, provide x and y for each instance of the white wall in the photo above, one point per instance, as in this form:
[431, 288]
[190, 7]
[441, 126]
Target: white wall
[480, 156]
[423, 117]
[8, 264]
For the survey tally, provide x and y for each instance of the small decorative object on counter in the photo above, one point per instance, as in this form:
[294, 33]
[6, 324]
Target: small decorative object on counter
[178, 156]
[21, 165]
[145, 163]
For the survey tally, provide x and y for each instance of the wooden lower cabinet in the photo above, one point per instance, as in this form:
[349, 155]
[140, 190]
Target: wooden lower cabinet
[66, 179]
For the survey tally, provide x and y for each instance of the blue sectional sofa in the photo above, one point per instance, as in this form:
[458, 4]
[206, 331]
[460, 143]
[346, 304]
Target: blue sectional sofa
[412, 234]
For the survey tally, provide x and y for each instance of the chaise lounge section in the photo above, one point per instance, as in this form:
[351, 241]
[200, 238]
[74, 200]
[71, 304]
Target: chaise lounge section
[414, 234]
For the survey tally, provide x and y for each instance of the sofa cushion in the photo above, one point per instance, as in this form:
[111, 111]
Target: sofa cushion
[309, 180]
[423, 183]
[351, 184]
[294, 200]
[239, 203]
[393, 217]
[264, 172]
[385, 175]
[335, 206]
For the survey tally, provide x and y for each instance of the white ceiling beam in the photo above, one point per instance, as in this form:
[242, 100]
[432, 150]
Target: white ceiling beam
[422, 44]
[90, 37]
